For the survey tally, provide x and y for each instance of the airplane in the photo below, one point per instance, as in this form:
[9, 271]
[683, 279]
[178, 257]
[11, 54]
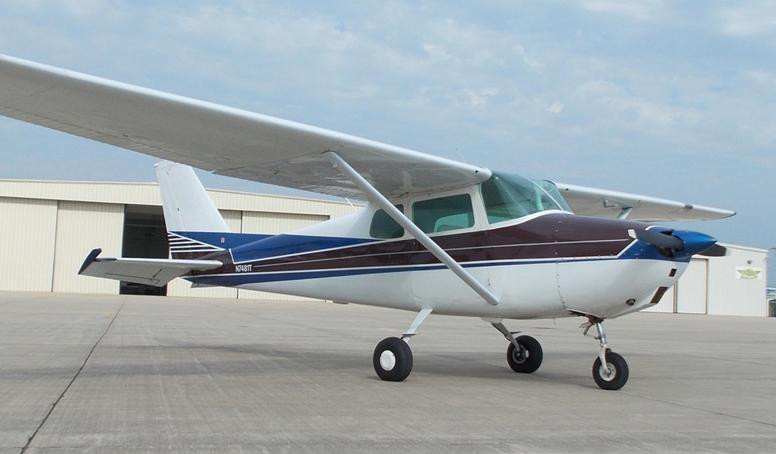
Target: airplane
[434, 236]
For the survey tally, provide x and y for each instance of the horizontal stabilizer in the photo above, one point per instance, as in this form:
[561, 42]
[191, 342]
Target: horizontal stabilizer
[156, 272]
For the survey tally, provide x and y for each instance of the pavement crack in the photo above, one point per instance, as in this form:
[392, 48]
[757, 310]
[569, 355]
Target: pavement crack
[72, 380]
[705, 410]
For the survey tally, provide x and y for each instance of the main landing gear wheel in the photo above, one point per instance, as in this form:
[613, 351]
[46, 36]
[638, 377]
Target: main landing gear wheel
[528, 358]
[614, 375]
[392, 359]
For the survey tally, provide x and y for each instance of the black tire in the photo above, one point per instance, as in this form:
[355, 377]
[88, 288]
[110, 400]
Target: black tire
[392, 359]
[528, 359]
[619, 376]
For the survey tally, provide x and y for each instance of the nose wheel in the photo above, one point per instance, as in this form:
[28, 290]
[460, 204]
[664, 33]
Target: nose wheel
[610, 370]
[614, 375]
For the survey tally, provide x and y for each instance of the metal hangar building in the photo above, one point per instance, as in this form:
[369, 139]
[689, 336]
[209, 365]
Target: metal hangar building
[50, 226]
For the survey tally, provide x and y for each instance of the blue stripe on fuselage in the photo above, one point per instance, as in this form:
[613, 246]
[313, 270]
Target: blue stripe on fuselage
[286, 244]
[239, 278]
[235, 279]
[250, 246]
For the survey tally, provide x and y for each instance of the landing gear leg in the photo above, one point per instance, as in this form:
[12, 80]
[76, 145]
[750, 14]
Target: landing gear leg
[524, 354]
[392, 358]
[610, 371]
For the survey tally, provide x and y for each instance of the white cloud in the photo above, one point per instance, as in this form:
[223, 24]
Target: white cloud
[640, 10]
[480, 97]
[79, 8]
[493, 80]
[438, 67]
[749, 18]
[529, 60]
[647, 112]
[555, 108]
[597, 88]
[436, 52]
[765, 78]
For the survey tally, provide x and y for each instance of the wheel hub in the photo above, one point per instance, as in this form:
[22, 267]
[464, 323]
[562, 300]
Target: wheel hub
[387, 360]
[608, 372]
[520, 355]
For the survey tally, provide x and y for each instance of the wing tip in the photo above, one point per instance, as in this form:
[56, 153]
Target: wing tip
[715, 214]
[91, 258]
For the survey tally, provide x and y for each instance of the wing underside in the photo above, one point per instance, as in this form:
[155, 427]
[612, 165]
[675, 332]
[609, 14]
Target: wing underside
[261, 148]
[220, 139]
[612, 204]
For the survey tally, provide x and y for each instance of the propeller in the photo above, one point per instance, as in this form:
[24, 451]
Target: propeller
[715, 250]
[663, 239]
[681, 242]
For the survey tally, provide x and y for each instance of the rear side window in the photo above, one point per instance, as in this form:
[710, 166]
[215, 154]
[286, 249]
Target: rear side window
[384, 227]
[443, 214]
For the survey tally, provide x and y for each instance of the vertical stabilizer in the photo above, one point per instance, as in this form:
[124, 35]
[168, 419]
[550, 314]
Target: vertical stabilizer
[186, 205]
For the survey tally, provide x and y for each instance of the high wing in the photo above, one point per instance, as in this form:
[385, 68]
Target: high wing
[612, 204]
[223, 140]
[257, 147]
[157, 272]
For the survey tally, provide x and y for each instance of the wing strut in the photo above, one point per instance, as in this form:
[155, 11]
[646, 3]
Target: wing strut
[378, 199]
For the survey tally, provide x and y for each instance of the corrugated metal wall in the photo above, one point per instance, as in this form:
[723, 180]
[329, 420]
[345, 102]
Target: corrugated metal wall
[730, 292]
[692, 288]
[81, 227]
[263, 222]
[712, 286]
[56, 224]
[688, 296]
[28, 232]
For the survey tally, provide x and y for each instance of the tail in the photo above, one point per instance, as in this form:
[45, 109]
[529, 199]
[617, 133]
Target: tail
[194, 225]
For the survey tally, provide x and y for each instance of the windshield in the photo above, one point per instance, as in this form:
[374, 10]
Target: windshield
[510, 197]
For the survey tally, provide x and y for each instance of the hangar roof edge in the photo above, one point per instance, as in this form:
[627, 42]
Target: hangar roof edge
[147, 193]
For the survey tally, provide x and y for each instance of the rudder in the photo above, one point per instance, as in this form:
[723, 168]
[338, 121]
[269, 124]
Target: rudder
[188, 211]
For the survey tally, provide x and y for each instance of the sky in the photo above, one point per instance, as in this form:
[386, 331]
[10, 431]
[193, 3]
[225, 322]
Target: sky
[669, 99]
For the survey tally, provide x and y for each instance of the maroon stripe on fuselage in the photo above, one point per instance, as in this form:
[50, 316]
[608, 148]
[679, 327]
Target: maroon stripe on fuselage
[552, 236]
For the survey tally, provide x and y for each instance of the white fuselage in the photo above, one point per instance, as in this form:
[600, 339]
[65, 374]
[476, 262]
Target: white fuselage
[600, 288]
[604, 286]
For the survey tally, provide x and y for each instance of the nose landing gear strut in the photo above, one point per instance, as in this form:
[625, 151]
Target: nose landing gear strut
[610, 370]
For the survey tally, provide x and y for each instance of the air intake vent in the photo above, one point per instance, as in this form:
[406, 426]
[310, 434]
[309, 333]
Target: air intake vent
[658, 295]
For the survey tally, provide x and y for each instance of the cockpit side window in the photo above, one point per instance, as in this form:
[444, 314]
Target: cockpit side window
[384, 227]
[443, 214]
[510, 197]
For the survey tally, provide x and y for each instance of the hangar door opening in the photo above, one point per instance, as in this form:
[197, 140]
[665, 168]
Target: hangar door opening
[145, 235]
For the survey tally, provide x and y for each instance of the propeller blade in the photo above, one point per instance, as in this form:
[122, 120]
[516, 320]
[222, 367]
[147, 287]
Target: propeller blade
[715, 250]
[660, 239]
